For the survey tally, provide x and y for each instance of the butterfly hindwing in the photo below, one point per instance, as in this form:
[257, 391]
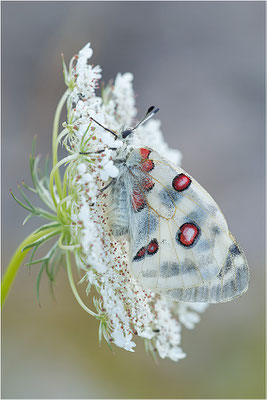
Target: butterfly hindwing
[231, 282]
[180, 242]
[179, 239]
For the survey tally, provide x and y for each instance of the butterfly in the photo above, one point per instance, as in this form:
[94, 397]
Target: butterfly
[179, 242]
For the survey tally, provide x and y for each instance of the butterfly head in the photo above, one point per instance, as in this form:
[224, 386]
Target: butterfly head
[126, 134]
[127, 137]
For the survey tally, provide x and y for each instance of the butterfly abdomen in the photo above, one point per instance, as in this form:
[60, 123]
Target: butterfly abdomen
[118, 210]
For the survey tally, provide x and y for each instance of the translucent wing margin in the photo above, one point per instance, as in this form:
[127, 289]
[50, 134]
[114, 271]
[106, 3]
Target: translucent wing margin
[180, 242]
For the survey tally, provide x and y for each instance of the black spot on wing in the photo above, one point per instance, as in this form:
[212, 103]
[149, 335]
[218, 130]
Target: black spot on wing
[203, 293]
[228, 265]
[200, 293]
[188, 267]
[198, 215]
[118, 230]
[169, 269]
[229, 289]
[215, 293]
[187, 294]
[212, 210]
[149, 274]
[205, 245]
[234, 250]
[242, 278]
[169, 197]
[216, 230]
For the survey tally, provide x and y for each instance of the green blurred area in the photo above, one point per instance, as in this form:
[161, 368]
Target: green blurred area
[53, 352]
[203, 65]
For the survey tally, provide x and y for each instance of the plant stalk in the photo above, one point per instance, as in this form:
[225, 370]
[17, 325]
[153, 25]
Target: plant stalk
[16, 260]
[73, 287]
[55, 141]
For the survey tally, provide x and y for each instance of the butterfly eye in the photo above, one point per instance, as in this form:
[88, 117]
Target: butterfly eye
[181, 182]
[187, 234]
[148, 184]
[153, 247]
[147, 166]
[144, 153]
[140, 254]
[138, 201]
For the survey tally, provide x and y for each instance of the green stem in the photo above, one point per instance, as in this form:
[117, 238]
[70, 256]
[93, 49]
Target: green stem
[73, 287]
[53, 175]
[45, 214]
[54, 139]
[16, 261]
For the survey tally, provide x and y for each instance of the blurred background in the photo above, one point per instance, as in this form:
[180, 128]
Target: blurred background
[202, 63]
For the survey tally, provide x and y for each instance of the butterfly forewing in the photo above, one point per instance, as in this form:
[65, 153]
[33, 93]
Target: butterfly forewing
[179, 239]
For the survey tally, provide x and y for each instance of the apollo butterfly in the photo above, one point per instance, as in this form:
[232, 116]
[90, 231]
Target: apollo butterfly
[180, 244]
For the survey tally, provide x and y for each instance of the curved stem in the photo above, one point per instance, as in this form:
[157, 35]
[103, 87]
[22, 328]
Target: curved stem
[16, 261]
[67, 247]
[62, 134]
[54, 139]
[53, 175]
[73, 287]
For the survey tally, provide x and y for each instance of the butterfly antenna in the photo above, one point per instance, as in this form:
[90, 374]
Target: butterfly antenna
[106, 129]
[149, 114]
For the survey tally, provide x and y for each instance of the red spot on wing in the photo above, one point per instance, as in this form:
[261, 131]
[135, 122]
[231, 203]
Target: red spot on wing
[140, 254]
[187, 234]
[153, 247]
[148, 184]
[181, 182]
[144, 152]
[138, 200]
[147, 165]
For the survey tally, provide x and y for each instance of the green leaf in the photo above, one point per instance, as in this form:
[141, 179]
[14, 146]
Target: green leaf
[65, 71]
[46, 172]
[83, 142]
[100, 332]
[28, 187]
[47, 257]
[41, 241]
[48, 273]
[27, 218]
[25, 197]
[109, 345]
[38, 282]
[31, 262]
[34, 145]
[149, 348]
[51, 287]
[38, 261]
[56, 263]
[20, 203]
[48, 226]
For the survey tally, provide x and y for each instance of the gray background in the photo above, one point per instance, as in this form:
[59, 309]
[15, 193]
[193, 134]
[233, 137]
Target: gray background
[203, 65]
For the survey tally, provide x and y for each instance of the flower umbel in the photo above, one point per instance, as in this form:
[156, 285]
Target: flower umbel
[79, 214]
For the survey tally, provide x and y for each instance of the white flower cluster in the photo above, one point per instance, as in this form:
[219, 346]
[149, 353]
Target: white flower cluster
[124, 308]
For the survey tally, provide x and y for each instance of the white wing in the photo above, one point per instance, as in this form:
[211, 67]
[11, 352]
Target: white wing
[180, 242]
